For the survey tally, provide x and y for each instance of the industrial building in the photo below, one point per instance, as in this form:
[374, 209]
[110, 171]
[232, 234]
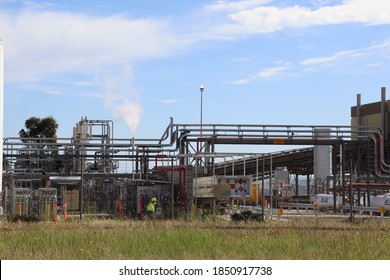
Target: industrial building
[92, 172]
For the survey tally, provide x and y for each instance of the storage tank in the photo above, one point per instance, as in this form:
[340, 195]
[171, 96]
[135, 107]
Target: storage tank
[322, 158]
[381, 201]
[325, 201]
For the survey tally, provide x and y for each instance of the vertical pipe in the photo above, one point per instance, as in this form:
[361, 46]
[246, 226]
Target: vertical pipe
[1, 109]
[358, 109]
[232, 166]
[383, 123]
[13, 194]
[81, 195]
[334, 171]
[342, 166]
[257, 181]
[201, 123]
[351, 202]
[196, 180]
[173, 190]
[213, 159]
[368, 175]
[270, 186]
[132, 157]
[341, 163]
[5, 211]
[358, 194]
[201, 111]
[383, 111]
[262, 193]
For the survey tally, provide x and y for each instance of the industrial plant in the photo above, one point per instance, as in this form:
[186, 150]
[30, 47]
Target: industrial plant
[334, 169]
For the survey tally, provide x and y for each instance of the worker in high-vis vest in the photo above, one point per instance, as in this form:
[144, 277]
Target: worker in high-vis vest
[151, 207]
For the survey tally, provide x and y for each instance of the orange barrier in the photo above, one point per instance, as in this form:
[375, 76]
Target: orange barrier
[55, 212]
[65, 211]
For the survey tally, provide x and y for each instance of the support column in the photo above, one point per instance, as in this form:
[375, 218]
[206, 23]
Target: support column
[308, 184]
[296, 184]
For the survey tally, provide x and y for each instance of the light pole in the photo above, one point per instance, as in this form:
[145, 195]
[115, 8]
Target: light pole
[201, 109]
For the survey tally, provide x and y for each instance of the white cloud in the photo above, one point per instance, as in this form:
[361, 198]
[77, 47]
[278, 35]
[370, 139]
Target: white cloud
[335, 57]
[167, 101]
[41, 45]
[264, 73]
[373, 49]
[319, 3]
[240, 59]
[266, 18]
[376, 52]
[229, 6]
[82, 83]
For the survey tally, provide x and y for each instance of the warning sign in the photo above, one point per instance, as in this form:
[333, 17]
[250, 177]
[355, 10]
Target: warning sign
[240, 186]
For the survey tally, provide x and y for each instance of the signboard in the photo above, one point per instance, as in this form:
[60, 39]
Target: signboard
[240, 186]
[223, 186]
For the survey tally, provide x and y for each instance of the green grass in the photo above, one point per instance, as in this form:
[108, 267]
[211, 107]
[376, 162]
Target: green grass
[194, 240]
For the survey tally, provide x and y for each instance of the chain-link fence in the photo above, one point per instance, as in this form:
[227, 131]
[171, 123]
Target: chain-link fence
[39, 196]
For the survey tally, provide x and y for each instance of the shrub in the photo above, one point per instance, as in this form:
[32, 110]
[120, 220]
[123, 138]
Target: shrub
[246, 216]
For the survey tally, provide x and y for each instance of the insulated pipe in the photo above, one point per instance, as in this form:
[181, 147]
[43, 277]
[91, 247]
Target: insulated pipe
[383, 127]
[1, 109]
[383, 112]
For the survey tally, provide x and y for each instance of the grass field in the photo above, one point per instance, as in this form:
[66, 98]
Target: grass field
[195, 240]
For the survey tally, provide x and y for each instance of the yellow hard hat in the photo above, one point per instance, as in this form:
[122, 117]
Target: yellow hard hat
[154, 199]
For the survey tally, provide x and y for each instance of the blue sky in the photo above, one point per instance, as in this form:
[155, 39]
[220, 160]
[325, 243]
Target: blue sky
[141, 62]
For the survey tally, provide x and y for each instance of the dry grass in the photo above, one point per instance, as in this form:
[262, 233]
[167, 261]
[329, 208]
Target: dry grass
[181, 239]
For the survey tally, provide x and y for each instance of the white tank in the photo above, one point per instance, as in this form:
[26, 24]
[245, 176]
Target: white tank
[381, 201]
[325, 201]
[322, 156]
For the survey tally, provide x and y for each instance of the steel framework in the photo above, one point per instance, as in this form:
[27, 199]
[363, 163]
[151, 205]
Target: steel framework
[356, 150]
